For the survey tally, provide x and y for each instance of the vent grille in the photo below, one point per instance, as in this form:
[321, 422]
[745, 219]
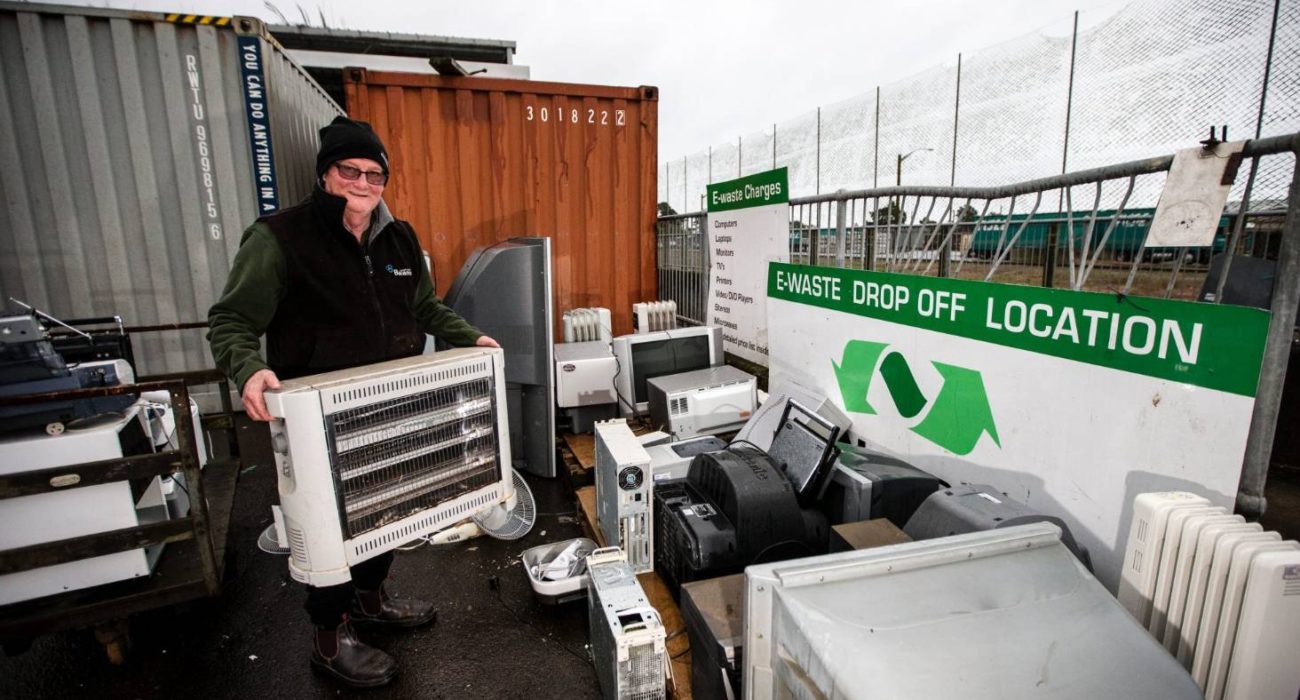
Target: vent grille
[397, 457]
[298, 546]
[421, 526]
[408, 383]
[678, 406]
[643, 676]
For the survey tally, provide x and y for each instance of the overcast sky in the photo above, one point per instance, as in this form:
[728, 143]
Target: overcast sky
[724, 69]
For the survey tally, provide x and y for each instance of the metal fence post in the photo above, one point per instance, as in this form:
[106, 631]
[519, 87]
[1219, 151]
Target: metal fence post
[841, 211]
[956, 116]
[1049, 265]
[1069, 103]
[875, 154]
[1272, 373]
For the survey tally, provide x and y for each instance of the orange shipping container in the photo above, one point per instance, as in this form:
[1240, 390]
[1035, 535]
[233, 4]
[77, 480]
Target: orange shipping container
[478, 160]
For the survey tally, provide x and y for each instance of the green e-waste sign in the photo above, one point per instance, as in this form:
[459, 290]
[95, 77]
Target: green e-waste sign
[758, 190]
[1215, 346]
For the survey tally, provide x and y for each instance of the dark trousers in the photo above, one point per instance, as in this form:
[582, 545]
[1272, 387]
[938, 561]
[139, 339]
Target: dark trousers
[326, 605]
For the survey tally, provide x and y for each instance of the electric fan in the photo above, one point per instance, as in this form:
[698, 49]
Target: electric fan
[504, 521]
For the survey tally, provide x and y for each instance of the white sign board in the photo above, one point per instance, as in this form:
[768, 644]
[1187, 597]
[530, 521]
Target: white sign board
[1193, 198]
[748, 227]
[1070, 402]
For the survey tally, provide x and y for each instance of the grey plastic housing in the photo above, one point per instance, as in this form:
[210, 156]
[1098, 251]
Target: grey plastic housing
[979, 507]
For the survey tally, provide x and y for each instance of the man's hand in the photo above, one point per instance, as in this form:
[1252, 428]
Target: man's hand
[254, 402]
[485, 341]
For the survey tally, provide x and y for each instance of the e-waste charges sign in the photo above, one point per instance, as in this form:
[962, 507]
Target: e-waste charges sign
[1071, 402]
[748, 227]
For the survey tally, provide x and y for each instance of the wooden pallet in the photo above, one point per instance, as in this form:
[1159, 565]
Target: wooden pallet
[583, 446]
[679, 645]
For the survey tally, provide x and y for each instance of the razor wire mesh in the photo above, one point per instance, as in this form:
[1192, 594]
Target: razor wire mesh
[1148, 80]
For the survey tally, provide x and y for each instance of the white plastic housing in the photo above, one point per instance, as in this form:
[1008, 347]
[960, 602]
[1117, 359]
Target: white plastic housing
[1146, 541]
[320, 552]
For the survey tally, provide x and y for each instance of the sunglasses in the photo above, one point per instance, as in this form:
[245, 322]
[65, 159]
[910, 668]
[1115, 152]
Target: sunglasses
[349, 173]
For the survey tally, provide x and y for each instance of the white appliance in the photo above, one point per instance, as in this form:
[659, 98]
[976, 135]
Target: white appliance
[374, 457]
[584, 374]
[704, 402]
[762, 426]
[1198, 585]
[162, 422]
[1165, 582]
[1225, 557]
[673, 460]
[624, 492]
[1195, 531]
[1146, 540]
[651, 316]
[643, 356]
[1225, 598]
[80, 511]
[1262, 665]
[584, 325]
[1006, 613]
[628, 641]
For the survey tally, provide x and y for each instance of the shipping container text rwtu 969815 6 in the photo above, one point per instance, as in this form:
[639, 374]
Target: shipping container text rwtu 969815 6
[478, 160]
[136, 148]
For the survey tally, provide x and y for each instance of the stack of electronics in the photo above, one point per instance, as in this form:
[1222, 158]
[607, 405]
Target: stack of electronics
[674, 375]
[35, 359]
[743, 505]
[769, 496]
[30, 364]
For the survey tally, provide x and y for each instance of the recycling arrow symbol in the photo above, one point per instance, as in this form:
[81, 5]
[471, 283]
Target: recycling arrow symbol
[957, 416]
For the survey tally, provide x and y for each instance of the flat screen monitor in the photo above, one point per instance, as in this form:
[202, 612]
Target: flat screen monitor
[644, 356]
[504, 290]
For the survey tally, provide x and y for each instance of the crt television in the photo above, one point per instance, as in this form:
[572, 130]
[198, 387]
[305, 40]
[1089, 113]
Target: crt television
[644, 356]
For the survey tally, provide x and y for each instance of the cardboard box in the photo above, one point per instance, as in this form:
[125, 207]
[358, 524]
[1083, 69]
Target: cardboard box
[866, 534]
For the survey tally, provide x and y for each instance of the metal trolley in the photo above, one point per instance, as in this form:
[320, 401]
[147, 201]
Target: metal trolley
[189, 568]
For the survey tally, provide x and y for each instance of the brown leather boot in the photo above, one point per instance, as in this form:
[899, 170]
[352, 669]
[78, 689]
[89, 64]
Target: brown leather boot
[338, 653]
[376, 609]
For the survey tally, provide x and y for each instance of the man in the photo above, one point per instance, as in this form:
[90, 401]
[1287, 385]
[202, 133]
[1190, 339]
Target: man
[335, 282]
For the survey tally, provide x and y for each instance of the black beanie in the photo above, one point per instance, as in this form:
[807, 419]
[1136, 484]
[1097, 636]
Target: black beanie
[345, 138]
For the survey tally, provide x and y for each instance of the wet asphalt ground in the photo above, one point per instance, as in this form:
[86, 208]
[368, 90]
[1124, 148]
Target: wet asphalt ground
[255, 640]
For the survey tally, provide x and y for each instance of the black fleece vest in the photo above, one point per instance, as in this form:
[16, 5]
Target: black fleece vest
[344, 305]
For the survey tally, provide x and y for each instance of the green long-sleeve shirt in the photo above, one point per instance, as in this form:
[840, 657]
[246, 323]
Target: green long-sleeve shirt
[255, 287]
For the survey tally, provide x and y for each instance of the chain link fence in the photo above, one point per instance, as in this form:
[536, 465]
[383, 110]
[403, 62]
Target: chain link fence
[1146, 81]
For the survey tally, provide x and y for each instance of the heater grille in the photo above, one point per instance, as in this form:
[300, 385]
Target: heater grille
[394, 458]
